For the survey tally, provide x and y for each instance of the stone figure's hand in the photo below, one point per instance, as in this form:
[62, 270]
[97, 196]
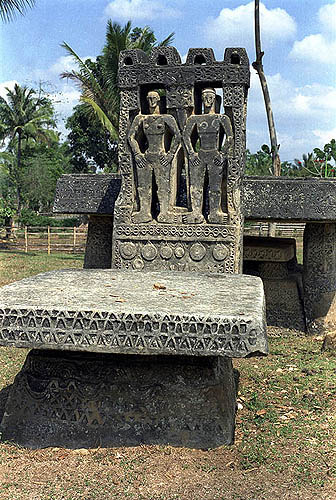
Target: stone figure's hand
[228, 145]
[194, 159]
[140, 160]
[166, 159]
[218, 160]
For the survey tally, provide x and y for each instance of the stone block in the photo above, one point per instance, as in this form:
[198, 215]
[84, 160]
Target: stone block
[78, 400]
[87, 194]
[289, 199]
[136, 312]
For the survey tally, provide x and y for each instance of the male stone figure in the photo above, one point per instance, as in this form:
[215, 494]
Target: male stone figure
[210, 158]
[154, 159]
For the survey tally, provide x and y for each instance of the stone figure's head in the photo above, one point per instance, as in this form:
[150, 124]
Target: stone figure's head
[208, 98]
[153, 99]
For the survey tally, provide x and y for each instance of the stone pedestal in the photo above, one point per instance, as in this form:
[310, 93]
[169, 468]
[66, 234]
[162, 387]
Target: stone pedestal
[75, 399]
[274, 260]
[319, 278]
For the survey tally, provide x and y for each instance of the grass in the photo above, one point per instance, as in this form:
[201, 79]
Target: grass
[285, 437]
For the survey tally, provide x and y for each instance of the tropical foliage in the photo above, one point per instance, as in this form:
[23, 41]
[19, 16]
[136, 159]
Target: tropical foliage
[31, 160]
[98, 79]
[10, 8]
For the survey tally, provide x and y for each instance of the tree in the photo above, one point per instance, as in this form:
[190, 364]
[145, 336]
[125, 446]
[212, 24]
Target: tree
[90, 144]
[98, 80]
[259, 163]
[25, 116]
[9, 8]
[258, 66]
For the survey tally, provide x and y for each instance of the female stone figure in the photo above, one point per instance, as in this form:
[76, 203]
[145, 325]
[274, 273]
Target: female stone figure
[210, 157]
[155, 159]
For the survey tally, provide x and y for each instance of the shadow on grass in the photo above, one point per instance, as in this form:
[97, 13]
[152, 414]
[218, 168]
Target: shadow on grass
[54, 256]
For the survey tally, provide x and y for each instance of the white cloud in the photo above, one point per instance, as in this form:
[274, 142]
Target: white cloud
[235, 27]
[140, 9]
[305, 116]
[66, 63]
[319, 47]
[315, 48]
[4, 85]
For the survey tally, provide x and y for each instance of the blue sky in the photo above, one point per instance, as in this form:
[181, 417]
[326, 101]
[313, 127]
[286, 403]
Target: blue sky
[298, 37]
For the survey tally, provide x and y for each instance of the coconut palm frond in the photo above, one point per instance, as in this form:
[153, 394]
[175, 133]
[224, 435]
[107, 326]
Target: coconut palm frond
[103, 118]
[10, 8]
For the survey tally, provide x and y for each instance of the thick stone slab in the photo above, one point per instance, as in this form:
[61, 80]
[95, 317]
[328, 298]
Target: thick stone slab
[284, 198]
[78, 400]
[269, 249]
[87, 194]
[264, 198]
[136, 312]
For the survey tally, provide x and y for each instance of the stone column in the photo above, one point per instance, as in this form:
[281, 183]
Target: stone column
[319, 276]
[98, 250]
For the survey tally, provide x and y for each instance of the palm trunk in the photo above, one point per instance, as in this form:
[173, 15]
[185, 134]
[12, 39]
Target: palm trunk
[18, 180]
[258, 66]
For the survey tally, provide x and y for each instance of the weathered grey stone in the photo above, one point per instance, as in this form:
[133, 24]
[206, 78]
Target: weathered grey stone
[87, 194]
[319, 276]
[290, 199]
[265, 198]
[136, 312]
[269, 249]
[274, 260]
[98, 249]
[159, 163]
[78, 400]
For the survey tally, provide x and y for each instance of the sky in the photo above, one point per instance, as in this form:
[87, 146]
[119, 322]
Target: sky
[298, 38]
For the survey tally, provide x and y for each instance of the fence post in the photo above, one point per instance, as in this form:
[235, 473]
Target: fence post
[74, 239]
[48, 240]
[26, 239]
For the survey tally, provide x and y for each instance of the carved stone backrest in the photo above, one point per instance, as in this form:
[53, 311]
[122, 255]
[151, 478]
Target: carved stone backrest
[181, 158]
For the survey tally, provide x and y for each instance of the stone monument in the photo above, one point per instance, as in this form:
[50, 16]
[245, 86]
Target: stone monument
[138, 351]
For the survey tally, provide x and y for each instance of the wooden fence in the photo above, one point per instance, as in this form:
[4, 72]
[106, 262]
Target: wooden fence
[283, 230]
[49, 239]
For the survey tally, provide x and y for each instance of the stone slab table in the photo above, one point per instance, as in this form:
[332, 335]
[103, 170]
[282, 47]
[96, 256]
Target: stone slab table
[77, 389]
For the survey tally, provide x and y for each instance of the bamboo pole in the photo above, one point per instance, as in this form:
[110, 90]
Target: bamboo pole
[26, 239]
[49, 237]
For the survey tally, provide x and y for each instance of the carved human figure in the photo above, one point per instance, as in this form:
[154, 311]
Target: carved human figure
[155, 159]
[210, 157]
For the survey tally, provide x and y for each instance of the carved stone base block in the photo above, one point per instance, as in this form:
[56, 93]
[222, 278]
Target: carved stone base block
[319, 277]
[79, 400]
[98, 250]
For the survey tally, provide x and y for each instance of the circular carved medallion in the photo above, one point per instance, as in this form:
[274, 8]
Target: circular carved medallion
[128, 250]
[149, 251]
[220, 252]
[179, 251]
[138, 263]
[197, 251]
[166, 252]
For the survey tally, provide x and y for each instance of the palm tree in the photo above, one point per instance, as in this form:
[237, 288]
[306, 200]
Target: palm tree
[24, 116]
[98, 80]
[9, 8]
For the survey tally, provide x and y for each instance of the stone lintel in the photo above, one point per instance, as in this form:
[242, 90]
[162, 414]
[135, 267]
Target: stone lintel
[289, 199]
[269, 249]
[135, 312]
[264, 198]
[87, 194]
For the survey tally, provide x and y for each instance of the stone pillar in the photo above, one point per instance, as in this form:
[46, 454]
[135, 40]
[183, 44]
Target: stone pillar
[98, 251]
[319, 276]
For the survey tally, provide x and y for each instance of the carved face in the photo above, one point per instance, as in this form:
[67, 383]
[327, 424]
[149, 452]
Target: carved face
[208, 97]
[153, 99]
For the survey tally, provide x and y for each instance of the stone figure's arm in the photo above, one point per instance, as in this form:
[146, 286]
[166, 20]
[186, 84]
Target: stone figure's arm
[187, 135]
[132, 133]
[226, 124]
[176, 140]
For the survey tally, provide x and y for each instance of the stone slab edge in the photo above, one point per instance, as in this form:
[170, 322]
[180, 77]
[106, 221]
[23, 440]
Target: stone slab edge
[129, 330]
[264, 198]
